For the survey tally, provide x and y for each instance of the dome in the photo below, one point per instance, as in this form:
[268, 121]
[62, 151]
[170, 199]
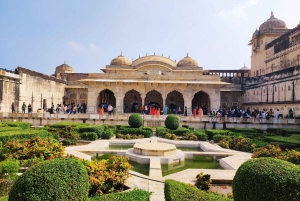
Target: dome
[272, 23]
[245, 68]
[255, 34]
[120, 61]
[64, 68]
[187, 62]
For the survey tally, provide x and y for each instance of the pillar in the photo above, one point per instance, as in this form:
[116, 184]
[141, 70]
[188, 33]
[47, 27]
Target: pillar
[119, 102]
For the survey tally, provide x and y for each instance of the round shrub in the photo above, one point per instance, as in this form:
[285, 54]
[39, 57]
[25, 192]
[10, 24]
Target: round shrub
[56, 179]
[135, 121]
[172, 122]
[266, 179]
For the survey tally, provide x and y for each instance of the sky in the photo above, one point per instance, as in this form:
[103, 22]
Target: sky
[41, 34]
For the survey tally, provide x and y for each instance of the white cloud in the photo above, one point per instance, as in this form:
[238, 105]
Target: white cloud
[92, 48]
[238, 11]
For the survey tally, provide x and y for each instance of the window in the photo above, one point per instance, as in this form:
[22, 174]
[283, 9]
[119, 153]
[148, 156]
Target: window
[289, 88]
[253, 92]
[264, 91]
[275, 89]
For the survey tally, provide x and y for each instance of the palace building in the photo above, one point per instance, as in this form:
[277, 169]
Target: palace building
[271, 82]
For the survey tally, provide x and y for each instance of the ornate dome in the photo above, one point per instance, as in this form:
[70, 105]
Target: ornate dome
[272, 23]
[120, 61]
[245, 68]
[64, 68]
[187, 62]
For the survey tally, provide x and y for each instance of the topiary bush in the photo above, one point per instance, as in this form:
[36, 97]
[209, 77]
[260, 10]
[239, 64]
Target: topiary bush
[135, 121]
[266, 179]
[56, 179]
[172, 122]
[88, 136]
[107, 134]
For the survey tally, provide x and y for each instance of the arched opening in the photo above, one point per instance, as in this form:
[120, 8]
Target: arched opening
[105, 98]
[201, 99]
[174, 100]
[73, 99]
[132, 101]
[154, 99]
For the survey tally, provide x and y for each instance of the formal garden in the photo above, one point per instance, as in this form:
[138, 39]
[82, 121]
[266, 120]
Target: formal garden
[34, 165]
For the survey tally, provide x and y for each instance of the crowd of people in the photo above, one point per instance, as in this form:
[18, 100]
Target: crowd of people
[154, 109]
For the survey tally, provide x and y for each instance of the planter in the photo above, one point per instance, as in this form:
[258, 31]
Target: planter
[291, 121]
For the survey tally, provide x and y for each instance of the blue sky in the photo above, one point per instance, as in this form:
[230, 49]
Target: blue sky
[40, 35]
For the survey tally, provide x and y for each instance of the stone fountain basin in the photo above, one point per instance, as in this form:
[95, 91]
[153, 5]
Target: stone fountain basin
[154, 149]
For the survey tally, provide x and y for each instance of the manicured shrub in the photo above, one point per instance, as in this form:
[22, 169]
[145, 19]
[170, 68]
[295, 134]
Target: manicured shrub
[236, 143]
[283, 131]
[162, 131]
[91, 128]
[171, 136]
[291, 140]
[69, 135]
[180, 131]
[179, 191]
[6, 129]
[172, 122]
[273, 151]
[217, 138]
[67, 124]
[35, 147]
[107, 134]
[190, 137]
[56, 179]
[23, 134]
[107, 176]
[146, 132]
[135, 121]
[185, 126]
[201, 135]
[88, 136]
[284, 146]
[22, 125]
[9, 167]
[212, 132]
[266, 179]
[203, 181]
[135, 194]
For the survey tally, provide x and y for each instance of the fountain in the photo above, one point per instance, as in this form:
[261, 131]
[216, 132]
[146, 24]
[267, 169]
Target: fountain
[144, 151]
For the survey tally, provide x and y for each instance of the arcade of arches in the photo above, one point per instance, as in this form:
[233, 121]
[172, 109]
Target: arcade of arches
[133, 100]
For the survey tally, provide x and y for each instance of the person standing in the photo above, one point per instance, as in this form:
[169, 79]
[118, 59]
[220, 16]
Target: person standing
[277, 114]
[146, 109]
[166, 109]
[194, 112]
[13, 107]
[200, 112]
[179, 110]
[29, 108]
[23, 107]
[185, 111]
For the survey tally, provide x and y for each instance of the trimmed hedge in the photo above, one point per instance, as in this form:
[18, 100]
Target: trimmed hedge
[146, 132]
[201, 135]
[172, 122]
[136, 195]
[211, 132]
[107, 134]
[179, 191]
[283, 131]
[280, 139]
[65, 124]
[266, 179]
[88, 136]
[135, 121]
[180, 131]
[23, 134]
[6, 129]
[99, 129]
[9, 167]
[56, 179]
[22, 125]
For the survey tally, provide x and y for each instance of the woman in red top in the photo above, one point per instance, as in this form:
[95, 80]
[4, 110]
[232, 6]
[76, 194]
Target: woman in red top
[101, 111]
[200, 112]
[194, 111]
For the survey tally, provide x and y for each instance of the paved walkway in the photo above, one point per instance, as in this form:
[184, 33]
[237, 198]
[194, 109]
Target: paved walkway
[155, 182]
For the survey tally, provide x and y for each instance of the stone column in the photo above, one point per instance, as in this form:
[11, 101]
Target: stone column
[119, 102]
[188, 97]
[143, 96]
[92, 101]
[215, 96]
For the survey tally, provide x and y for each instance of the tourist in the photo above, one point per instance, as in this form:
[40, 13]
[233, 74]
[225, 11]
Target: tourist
[200, 112]
[277, 114]
[23, 107]
[143, 109]
[146, 109]
[194, 112]
[29, 108]
[13, 107]
[166, 109]
[157, 112]
[101, 111]
[185, 111]
[109, 109]
[179, 110]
